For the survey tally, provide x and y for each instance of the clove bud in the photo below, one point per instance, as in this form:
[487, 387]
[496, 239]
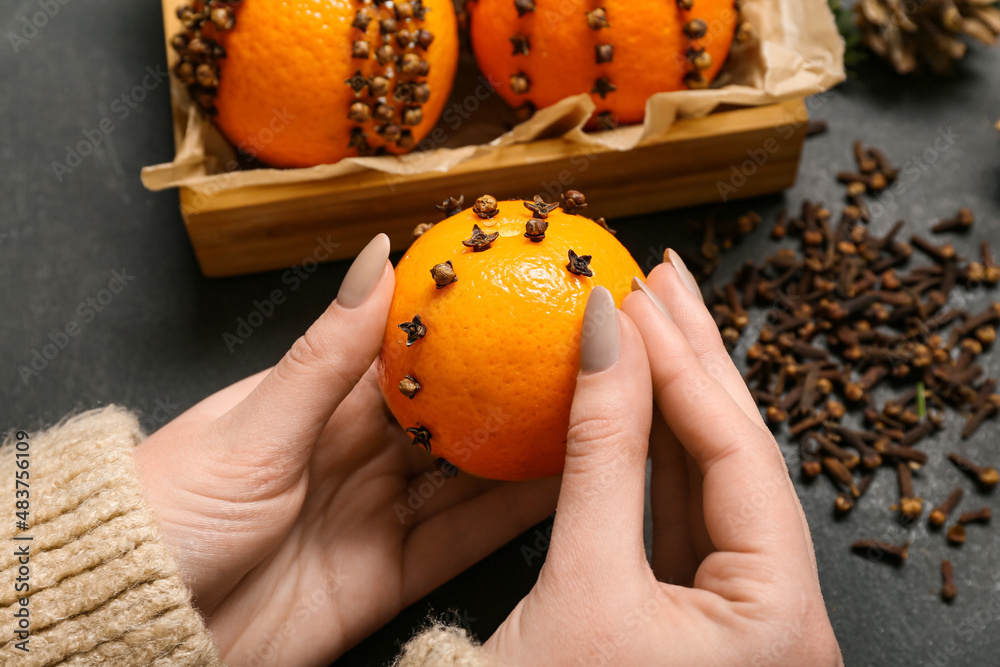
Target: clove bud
[480, 241]
[573, 201]
[443, 274]
[597, 19]
[695, 29]
[415, 330]
[534, 229]
[520, 83]
[409, 387]
[486, 207]
[579, 264]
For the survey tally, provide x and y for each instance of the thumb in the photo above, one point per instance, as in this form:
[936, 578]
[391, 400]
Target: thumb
[277, 424]
[599, 513]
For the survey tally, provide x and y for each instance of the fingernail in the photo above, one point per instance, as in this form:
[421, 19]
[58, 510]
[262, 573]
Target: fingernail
[682, 270]
[599, 335]
[639, 286]
[364, 273]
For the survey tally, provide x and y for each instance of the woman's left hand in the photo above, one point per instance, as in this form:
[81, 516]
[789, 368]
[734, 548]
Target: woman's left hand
[299, 513]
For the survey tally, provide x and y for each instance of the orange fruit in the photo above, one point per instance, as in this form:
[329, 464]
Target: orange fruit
[541, 51]
[299, 83]
[497, 364]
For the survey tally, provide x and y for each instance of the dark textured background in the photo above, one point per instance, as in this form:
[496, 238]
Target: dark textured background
[159, 343]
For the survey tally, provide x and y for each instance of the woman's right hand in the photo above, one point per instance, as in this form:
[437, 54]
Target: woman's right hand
[733, 580]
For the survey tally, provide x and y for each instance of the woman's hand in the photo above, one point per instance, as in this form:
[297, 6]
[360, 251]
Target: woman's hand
[733, 580]
[298, 511]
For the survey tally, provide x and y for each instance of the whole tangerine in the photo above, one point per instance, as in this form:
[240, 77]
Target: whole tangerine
[480, 354]
[298, 83]
[621, 52]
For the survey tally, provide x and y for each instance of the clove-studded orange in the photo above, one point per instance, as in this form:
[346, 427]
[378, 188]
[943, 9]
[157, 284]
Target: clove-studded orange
[480, 355]
[538, 52]
[297, 83]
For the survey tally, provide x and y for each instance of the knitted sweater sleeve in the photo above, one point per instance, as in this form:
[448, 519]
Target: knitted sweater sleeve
[90, 580]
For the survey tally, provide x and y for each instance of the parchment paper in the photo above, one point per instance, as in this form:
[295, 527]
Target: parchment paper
[797, 52]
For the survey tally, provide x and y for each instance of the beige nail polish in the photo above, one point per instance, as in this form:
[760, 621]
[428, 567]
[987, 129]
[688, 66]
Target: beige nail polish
[364, 273]
[640, 286]
[682, 270]
[599, 337]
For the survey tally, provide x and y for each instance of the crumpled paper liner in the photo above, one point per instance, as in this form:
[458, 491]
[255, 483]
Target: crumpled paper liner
[797, 52]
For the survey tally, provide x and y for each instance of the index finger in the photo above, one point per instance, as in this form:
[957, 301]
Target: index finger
[749, 502]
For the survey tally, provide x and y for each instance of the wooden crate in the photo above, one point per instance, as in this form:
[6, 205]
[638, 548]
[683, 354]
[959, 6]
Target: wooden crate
[257, 228]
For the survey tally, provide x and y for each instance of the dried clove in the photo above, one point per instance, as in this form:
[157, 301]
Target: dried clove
[866, 163]
[451, 206]
[412, 116]
[413, 65]
[357, 82]
[486, 207]
[695, 29]
[520, 83]
[956, 534]
[986, 476]
[390, 132]
[378, 86]
[695, 80]
[579, 264]
[603, 86]
[359, 112]
[700, 59]
[521, 44]
[845, 502]
[524, 6]
[878, 550]
[223, 18]
[534, 230]
[361, 50]
[910, 505]
[982, 515]
[941, 513]
[839, 472]
[828, 446]
[960, 222]
[573, 201]
[421, 436]
[597, 19]
[361, 20]
[404, 10]
[424, 38]
[948, 588]
[409, 387]
[480, 241]
[443, 274]
[415, 330]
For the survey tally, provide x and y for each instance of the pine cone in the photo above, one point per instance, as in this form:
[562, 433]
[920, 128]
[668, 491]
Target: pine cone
[913, 35]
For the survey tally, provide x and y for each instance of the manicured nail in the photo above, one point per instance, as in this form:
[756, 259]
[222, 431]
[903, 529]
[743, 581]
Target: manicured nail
[682, 270]
[599, 336]
[639, 286]
[364, 273]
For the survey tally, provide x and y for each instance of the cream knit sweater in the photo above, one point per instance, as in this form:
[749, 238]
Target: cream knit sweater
[95, 578]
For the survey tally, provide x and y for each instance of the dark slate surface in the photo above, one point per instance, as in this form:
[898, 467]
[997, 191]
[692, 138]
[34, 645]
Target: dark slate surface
[157, 345]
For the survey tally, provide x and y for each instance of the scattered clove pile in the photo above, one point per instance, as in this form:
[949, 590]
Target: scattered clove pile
[847, 314]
